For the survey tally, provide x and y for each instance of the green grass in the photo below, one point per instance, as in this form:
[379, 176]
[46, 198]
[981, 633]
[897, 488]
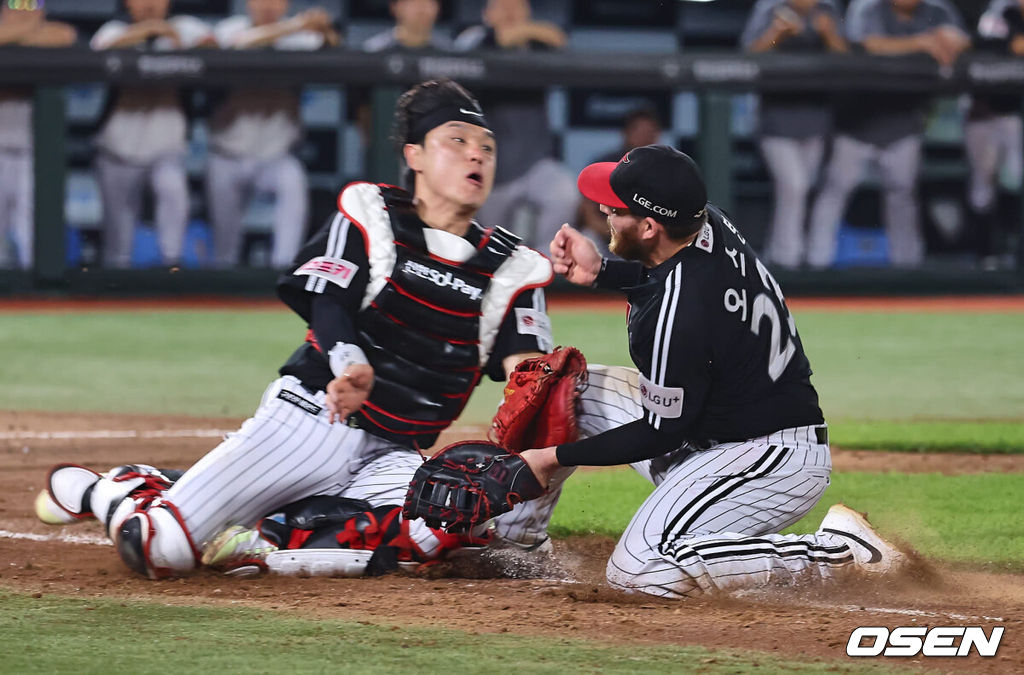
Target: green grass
[972, 519]
[904, 382]
[61, 635]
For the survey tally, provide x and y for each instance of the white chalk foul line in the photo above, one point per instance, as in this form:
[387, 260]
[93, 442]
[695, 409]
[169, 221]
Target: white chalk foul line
[914, 612]
[63, 537]
[110, 434]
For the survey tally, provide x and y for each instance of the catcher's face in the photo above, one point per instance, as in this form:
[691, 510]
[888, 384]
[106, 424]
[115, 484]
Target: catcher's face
[454, 164]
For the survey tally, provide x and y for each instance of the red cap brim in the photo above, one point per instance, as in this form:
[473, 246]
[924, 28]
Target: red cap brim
[595, 184]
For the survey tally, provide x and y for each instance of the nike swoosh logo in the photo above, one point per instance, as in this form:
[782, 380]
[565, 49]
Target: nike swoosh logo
[470, 112]
[876, 555]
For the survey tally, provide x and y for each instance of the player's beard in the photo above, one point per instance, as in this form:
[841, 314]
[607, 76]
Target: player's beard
[626, 244]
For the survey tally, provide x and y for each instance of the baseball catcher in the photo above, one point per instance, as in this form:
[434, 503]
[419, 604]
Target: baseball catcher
[408, 302]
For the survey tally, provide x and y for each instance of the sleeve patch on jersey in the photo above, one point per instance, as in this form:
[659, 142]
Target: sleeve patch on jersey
[533, 322]
[706, 240]
[335, 270]
[663, 401]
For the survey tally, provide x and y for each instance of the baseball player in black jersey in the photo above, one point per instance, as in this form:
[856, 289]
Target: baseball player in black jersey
[720, 413]
[409, 302]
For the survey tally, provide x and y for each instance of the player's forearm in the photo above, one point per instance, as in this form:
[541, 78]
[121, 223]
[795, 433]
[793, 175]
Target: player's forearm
[834, 41]
[894, 46]
[767, 41]
[616, 275]
[517, 36]
[629, 443]
[14, 34]
[133, 35]
[332, 323]
[263, 36]
[548, 33]
[51, 34]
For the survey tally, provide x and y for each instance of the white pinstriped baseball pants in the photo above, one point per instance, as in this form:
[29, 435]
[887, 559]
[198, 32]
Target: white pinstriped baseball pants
[710, 523]
[284, 453]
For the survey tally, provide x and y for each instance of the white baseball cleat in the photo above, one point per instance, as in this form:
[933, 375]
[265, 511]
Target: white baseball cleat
[237, 546]
[871, 552]
[66, 497]
[323, 562]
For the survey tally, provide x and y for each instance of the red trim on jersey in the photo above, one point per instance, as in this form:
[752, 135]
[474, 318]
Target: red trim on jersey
[453, 341]
[311, 339]
[407, 420]
[452, 312]
[488, 231]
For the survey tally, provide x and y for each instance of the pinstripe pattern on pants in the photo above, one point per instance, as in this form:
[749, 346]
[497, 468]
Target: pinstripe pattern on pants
[711, 520]
[284, 453]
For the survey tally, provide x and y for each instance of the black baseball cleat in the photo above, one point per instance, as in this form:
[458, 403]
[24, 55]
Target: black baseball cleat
[871, 552]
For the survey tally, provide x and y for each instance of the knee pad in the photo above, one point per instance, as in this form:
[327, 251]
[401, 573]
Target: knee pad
[136, 484]
[155, 543]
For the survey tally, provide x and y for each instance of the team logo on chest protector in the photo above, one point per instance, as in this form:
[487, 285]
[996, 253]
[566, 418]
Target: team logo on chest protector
[443, 279]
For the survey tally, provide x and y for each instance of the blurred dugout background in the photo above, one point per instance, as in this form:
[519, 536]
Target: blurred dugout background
[586, 122]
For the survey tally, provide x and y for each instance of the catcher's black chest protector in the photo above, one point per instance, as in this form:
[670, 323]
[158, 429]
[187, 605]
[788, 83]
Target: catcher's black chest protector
[421, 332]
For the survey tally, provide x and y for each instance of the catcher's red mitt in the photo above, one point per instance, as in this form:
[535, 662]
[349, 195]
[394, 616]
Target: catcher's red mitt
[539, 409]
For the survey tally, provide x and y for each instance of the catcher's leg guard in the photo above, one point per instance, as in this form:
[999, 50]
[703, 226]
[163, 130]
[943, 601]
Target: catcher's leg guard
[67, 497]
[125, 489]
[155, 543]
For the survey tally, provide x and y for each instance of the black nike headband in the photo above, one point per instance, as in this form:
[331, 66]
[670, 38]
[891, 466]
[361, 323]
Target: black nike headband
[468, 113]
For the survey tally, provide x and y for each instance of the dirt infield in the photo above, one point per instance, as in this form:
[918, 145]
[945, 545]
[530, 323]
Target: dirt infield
[577, 603]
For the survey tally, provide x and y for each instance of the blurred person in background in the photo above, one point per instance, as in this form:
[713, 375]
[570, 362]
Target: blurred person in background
[24, 28]
[143, 138]
[253, 133]
[794, 125]
[413, 30]
[639, 128]
[993, 135]
[528, 175]
[887, 128]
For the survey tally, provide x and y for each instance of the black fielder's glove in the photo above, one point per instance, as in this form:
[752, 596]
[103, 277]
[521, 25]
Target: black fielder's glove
[467, 484]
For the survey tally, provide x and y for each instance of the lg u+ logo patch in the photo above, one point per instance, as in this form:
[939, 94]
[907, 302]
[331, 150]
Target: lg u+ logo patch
[914, 640]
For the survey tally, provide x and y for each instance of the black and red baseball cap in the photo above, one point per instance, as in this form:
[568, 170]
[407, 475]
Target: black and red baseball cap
[654, 180]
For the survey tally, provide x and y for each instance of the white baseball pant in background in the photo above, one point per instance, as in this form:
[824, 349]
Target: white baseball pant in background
[17, 208]
[121, 186]
[230, 181]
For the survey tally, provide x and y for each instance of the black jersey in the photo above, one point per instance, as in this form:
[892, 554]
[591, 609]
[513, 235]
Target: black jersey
[717, 349]
[339, 284]
[997, 30]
